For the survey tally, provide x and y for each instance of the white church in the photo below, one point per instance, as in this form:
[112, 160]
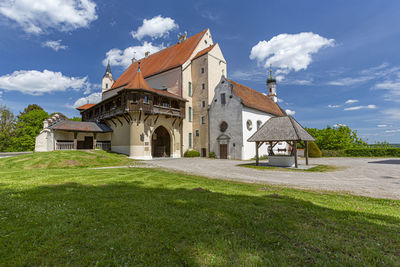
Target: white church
[167, 103]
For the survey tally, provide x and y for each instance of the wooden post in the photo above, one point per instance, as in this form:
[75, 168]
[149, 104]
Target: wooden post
[306, 151]
[75, 141]
[257, 154]
[94, 140]
[295, 154]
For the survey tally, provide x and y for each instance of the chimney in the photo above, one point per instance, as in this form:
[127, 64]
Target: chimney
[45, 124]
[146, 55]
[182, 37]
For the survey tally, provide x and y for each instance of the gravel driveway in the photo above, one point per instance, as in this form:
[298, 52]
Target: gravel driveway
[374, 177]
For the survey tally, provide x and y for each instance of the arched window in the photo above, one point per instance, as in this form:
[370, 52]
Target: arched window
[249, 125]
[259, 124]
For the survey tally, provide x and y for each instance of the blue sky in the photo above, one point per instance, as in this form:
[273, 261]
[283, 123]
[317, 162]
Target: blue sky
[337, 62]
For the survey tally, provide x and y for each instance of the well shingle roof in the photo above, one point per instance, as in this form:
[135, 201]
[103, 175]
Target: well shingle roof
[281, 129]
[254, 99]
[166, 59]
[80, 126]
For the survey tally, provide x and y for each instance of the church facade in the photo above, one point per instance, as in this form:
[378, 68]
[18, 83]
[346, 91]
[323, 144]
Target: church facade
[165, 104]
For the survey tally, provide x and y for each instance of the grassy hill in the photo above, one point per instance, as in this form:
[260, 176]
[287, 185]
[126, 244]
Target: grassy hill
[55, 212]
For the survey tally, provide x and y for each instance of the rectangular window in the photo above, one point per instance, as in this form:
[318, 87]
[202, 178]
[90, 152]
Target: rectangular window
[190, 89]
[190, 139]
[203, 104]
[203, 120]
[203, 86]
[146, 99]
[197, 132]
[202, 70]
[190, 113]
[223, 101]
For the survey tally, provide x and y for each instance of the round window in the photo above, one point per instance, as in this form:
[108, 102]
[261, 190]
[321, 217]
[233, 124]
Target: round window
[223, 126]
[249, 125]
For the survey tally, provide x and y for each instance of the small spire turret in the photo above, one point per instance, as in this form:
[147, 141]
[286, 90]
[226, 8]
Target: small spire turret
[271, 86]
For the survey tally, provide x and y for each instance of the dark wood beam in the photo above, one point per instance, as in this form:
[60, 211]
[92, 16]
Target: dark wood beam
[119, 121]
[257, 159]
[295, 154]
[145, 119]
[306, 151]
[156, 119]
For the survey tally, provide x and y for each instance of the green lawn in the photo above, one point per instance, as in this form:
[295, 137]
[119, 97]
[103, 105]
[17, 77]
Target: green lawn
[138, 216]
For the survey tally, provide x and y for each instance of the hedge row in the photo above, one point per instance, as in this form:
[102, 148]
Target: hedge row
[363, 152]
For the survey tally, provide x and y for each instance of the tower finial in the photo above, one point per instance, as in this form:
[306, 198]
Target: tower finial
[270, 69]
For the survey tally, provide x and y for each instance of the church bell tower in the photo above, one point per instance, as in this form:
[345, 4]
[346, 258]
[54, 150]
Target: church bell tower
[271, 86]
[108, 80]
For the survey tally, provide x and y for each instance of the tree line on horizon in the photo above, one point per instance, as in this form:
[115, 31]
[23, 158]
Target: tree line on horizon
[18, 133]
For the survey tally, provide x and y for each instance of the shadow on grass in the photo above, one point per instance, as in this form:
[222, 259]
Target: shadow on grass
[128, 224]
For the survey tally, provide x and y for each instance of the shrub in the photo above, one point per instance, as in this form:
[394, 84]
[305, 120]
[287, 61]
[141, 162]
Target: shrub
[372, 152]
[332, 153]
[313, 150]
[212, 155]
[191, 154]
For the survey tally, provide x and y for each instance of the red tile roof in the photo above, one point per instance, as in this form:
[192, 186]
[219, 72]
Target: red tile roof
[204, 51]
[166, 59]
[86, 106]
[139, 83]
[254, 99]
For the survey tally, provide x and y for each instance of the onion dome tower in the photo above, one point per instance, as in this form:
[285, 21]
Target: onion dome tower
[271, 86]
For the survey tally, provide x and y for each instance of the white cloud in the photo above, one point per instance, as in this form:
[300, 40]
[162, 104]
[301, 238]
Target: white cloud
[35, 82]
[392, 131]
[290, 112]
[90, 99]
[350, 81]
[289, 52]
[118, 57]
[392, 88]
[334, 106]
[393, 114]
[382, 125]
[55, 45]
[351, 101]
[36, 16]
[339, 125]
[361, 107]
[156, 27]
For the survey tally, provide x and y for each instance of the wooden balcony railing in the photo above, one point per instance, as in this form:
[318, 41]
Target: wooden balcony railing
[103, 145]
[65, 146]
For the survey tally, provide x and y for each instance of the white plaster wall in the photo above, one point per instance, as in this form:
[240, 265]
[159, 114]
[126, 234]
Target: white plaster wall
[170, 80]
[249, 148]
[44, 141]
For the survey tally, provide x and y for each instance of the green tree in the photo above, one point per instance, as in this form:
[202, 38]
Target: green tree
[336, 138]
[7, 126]
[27, 128]
[76, 119]
[29, 108]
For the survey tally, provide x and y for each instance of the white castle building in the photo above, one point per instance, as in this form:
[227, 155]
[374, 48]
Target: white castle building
[166, 103]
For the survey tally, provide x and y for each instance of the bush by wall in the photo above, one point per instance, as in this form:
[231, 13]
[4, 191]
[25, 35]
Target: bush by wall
[372, 152]
[313, 150]
[212, 155]
[333, 153]
[191, 154]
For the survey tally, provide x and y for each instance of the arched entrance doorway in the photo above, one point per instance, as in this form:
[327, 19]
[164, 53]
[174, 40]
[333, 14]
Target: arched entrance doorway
[160, 143]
